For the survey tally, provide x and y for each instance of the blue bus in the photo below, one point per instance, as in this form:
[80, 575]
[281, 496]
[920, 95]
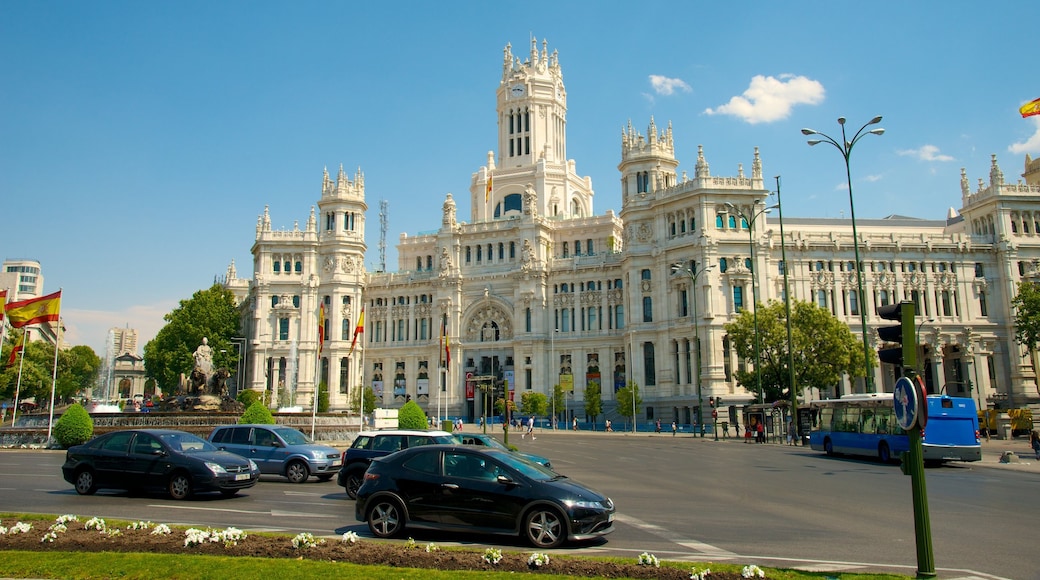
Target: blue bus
[866, 425]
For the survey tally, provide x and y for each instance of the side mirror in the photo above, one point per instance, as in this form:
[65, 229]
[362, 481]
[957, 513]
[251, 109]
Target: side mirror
[504, 480]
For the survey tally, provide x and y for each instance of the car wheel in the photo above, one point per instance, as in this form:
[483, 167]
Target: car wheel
[385, 518]
[325, 477]
[85, 483]
[828, 447]
[180, 486]
[353, 484]
[545, 527]
[297, 472]
[884, 453]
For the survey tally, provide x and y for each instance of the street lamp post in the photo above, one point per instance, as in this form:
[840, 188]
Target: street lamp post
[555, 377]
[787, 311]
[749, 218]
[676, 268]
[846, 150]
[917, 343]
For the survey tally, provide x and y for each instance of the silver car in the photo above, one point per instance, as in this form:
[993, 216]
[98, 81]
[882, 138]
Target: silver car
[279, 450]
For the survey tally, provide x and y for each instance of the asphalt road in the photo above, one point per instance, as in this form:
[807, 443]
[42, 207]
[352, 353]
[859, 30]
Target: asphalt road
[681, 498]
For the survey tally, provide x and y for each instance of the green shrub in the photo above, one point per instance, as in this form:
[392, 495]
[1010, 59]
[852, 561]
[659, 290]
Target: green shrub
[257, 413]
[247, 397]
[323, 398]
[411, 416]
[74, 427]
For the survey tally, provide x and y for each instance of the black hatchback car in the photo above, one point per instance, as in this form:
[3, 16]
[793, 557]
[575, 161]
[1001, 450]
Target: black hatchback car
[474, 489]
[176, 462]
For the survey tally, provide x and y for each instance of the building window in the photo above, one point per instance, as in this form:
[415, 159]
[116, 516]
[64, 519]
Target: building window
[683, 310]
[644, 274]
[619, 317]
[853, 302]
[946, 302]
[738, 298]
[983, 309]
[274, 301]
[649, 370]
[718, 221]
[299, 267]
[283, 329]
[344, 375]
[648, 309]
[277, 266]
[527, 319]
[723, 265]
[979, 270]
[345, 330]
[732, 222]
[821, 298]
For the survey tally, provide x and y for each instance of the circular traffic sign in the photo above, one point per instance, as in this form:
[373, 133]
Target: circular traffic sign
[907, 403]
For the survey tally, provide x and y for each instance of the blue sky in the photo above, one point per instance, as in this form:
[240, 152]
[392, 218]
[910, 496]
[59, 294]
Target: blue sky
[139, 141]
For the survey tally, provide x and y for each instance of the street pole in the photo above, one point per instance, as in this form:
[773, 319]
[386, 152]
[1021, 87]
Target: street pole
[696, 336]
[846, 150]
[787, 310]
[749, 219]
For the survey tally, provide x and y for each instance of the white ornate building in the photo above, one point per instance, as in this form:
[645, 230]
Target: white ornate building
[536, 289]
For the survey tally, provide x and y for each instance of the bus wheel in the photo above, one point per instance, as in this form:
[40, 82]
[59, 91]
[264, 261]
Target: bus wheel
[884, 453]
[828, 447]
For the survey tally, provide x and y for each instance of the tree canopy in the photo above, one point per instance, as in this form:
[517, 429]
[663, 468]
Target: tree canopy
[77, 370]
[210, 314]
[824, 349]
[1026, 305]
[625, 406]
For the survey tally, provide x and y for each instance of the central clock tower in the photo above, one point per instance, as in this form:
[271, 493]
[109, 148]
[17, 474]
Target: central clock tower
[532, 144]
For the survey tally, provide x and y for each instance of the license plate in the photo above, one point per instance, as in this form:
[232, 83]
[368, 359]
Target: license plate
[241, 476]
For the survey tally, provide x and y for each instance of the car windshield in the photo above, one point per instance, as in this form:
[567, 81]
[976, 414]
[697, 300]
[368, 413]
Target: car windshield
[186, 442]
[493, 443]
[293, 437]
[530, 469]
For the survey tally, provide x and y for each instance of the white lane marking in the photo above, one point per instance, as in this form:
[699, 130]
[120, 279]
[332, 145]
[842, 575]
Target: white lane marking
[713, 552]
[272, 513]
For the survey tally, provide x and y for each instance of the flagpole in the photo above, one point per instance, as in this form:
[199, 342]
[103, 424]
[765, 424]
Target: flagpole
[18, 385]
[54, 371]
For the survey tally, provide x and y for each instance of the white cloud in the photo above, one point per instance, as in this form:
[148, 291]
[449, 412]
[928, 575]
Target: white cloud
[872, 178]
[90, 327]
[666, 86]
[1031, 145]
[926, 153]
[770, 99]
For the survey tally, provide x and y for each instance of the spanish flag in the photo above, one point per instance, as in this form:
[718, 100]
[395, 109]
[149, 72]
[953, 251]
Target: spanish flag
[321, 328]
[358, 330]
[446, 342]
[17, 348]
[487, 192]
[1028, 110]
[34, 310]
[3, 303]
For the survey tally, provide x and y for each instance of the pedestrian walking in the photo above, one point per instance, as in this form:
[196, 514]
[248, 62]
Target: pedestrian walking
[657, 426]
[674, 427]
[574, 424]
[760, 429]
[1034, 442]
[610, 427]
[792, 433]
[530, 427]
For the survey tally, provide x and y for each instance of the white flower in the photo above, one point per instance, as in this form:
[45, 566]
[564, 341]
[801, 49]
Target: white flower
[95, 524]
[19, 528]
[231, 536]
[112, 532]
[537, 560]
[752, 571]
[161, 530]
[492, 555]
[139, 525]
[305, 540]
[350, 537]
[49, 537]
[431, 547]
[410, 543]
[3, 530]
[702, 575]
[648, 559]
[58, 528]
[195, 537]
[66, 519]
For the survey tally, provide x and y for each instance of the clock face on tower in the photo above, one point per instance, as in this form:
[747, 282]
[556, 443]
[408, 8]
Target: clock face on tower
[517, 90]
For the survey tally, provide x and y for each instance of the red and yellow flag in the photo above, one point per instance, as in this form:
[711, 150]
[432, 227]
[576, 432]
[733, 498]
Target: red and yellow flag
[34, 310]
[1029, 109]
[487, 192]
[3, 303]
[358, 330]
[17, 348]
[321, 328]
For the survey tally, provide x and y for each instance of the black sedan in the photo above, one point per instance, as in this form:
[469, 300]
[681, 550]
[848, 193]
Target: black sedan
[156, 459]
[475, 489]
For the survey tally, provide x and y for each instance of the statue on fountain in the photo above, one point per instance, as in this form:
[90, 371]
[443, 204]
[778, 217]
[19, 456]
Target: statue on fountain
[206, 388]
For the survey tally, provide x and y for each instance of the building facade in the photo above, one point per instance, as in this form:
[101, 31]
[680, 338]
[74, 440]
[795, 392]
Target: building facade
[534, 289]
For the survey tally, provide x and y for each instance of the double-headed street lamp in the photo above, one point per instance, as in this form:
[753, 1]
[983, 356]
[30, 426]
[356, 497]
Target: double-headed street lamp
[787, 307]
[749, 219]
[846, 149]
[678, 268]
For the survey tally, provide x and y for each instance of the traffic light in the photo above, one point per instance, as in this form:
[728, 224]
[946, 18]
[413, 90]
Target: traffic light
[904, 355]
[711, 401]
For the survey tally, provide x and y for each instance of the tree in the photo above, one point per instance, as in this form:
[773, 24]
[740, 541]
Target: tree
[256, 414]
[629, 401]
[1026, 306]
[593, 400]
[77, 370]
[75, 426]
[558, 402]
[323, 397]
[824, 349]
[411, 416]
[210, 314]
[370, 399]
[532, 403]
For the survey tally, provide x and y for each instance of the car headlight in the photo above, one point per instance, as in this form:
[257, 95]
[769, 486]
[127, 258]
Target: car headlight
[253, 466]
[215, 468]
[589, 505]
